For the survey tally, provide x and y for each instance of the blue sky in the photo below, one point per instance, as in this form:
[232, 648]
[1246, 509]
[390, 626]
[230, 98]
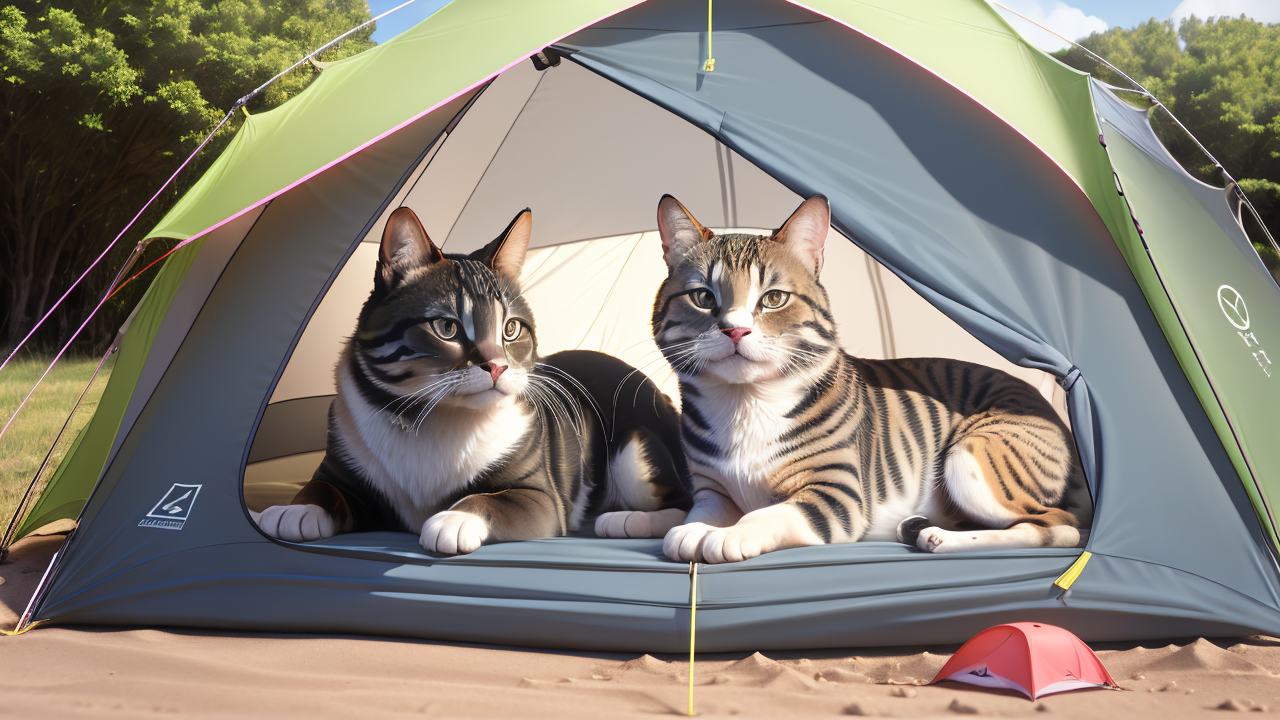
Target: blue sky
[402, 19]
[1123, 13]
[1073, 18]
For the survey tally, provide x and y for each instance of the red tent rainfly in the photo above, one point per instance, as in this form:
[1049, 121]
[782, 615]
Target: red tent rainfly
[1033, 658]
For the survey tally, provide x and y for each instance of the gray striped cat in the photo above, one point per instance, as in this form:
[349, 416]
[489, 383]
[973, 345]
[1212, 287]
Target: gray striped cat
[791, 441]
[447, 424]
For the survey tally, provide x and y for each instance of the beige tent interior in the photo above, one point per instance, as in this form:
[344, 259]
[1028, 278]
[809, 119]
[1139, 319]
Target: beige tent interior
[591, 160]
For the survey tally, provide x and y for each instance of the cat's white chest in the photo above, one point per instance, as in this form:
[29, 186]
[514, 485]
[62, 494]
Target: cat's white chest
[747, 424]
[418, 471]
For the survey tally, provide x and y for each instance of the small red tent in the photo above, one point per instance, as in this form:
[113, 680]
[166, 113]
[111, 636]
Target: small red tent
[1033, 658]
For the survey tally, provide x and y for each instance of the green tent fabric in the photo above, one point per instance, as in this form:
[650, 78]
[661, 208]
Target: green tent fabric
[979, 171]
[68, 490]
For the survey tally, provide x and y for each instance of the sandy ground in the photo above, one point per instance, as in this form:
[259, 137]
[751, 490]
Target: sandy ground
[110, 672]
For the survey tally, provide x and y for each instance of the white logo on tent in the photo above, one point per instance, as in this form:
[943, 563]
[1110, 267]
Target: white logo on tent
[1233, 307]
[173, 509]
[1232, 304]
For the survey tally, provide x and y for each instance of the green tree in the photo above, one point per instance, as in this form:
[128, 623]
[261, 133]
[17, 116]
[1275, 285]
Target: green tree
[100, 100]
[1222, 80]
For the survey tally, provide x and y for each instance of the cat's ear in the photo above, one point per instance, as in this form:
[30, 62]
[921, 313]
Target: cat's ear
[679, 230]
[505, 255]
[405, 246]
[805, 232]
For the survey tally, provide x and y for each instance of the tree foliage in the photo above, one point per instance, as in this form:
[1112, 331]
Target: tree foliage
[100, 100]
[1221, 79]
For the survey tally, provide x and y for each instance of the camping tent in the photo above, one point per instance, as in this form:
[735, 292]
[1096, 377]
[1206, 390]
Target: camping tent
[988, 201]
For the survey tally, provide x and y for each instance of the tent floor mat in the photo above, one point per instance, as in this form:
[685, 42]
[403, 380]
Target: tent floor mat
[646, 554]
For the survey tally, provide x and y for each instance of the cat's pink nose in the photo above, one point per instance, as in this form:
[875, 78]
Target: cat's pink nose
[736, 334]
[494, 370]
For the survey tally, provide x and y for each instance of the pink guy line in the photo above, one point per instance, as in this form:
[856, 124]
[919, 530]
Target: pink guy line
[266, 199]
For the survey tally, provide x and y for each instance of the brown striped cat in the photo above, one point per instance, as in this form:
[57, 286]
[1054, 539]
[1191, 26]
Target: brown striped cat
[791, 441]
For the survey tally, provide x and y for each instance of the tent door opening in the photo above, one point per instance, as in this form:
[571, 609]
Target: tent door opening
[595, 260]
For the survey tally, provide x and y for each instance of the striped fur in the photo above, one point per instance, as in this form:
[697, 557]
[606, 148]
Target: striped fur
[448, 425]
[791, 441]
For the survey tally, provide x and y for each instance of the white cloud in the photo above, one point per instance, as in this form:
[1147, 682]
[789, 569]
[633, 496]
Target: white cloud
[1064, 19]
[1267, 11]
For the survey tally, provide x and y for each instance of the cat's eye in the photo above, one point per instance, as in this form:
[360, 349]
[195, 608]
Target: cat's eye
[445, 328]
[775, 299]
[512, 330]
[703, 299]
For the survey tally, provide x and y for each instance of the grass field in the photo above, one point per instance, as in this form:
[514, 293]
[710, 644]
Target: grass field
[24, 446]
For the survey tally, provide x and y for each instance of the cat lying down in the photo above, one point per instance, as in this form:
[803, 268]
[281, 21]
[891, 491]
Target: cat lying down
[448, 425]
[791, 441]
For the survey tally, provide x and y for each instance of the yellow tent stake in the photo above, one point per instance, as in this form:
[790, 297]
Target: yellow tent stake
[710, 64]
[693, 615]
[1064, 581]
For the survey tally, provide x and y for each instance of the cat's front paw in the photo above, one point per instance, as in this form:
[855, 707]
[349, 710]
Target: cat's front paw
[682, 541]
[732, 544]
[614, 524]
[638, 523]
[296, 523]
[453, 532]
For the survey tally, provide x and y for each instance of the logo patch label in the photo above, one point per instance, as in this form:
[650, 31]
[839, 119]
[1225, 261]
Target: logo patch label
[1233, 307]
[173, 509]
[1237, 313]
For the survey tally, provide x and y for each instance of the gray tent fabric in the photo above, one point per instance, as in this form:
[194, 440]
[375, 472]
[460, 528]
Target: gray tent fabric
[571, 107]
[956, 204]
[207, 267]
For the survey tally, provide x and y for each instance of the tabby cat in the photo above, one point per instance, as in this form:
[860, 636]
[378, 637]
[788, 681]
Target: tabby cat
[791, 441]
[447, 424]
